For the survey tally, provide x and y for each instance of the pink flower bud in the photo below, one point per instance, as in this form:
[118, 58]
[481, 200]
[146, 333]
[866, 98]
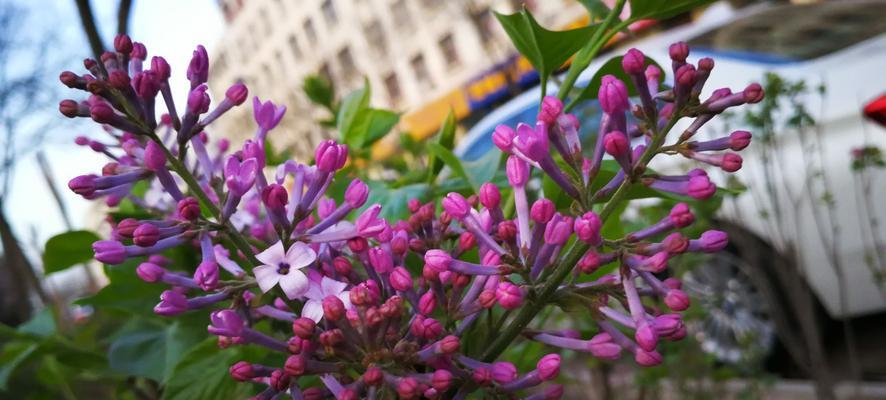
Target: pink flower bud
[449, 344]
[676, 300]
[171, 303]
[667, 324]
[69, 108]
[713, 241]
[675, 243]
[327, 156]
[407, 388]
[551, 107]
[373, 376]
[237, 93]
[730, 162]
[427, 303]
[558, 230]
[139, 51]
[613, 95]
[587, 228]
[633, 62]
[466, 241]
[155, 157]
[206, 275]
[356, 194]
[119, 80]
[589, 263]
[123, 44]
[700, 188]
[503, 372]
[679, 51]
[242, 371]
[304, 328]
[83, 185]
[553, 392]
[686, 75]
[188, 208]
[532, 142]
[673, 283]
[517, 171]
[275, 197]
[507, 230]
[482, 376]
[438, 260]
[456, 205]
[333, 308]
[490, 197]
[548, 367]
[706, 64]
[509, 296]
[441, 380]
[503, 138]
[381, 260]
[738, 140]
[146, 235]
[681, 216]
[646, 337]
[401, 280]
[198, 100]
[602, 346]
[647, 358]
[616, 144]
[542, 211]
[150, 272]
[753, 93]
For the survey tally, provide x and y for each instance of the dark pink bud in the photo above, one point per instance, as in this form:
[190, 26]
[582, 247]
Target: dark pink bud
[503, 138]
[198, 69]
[731, 162]
[507, 230]
[553, 392]
[356, 193]
[633, 62]
[548, 367]
[198, 100]
[407, 388]
[119, 80]
[686, 75]
[123, 44]
[676, 300]
[487, 298]
[441, 380]
[155, 157]
[616, 144]
[161, 68]
[342, 265]
[171, 303]
[327, 156]
[456, 205]
[304, 328]
[753, 93]
[613, 95]
[71, 80]
[738, 140]
[713, 241]
[373, 376]
[647, 358]
[438, 260]
[237, 93]
[242, 371]
[146, 235]
[700, 188]
[587, 228]
[681, 216]
[83, 185]
[466, 241]
[517, 171]
[589, 262]
[188, 208]
[602, 346]
[558, 230]
[551, 107]
[146, 84]
[139, 51]
[675, 243]
[646, 337]
[490, 197]
[333, 308]
[673, 283]
[150, 272]
[279, 380]
[102, 112]
[206, 275]
[482, 376]
[509, 296]
[427, 303]
[414, 205]
[503, 372]
[679, 51]
[532, 141]
[449, 344]
[275, 197]
[542, 211]
[400, 279]
[69, 108]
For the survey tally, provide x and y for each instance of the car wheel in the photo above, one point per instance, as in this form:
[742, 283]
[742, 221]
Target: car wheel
[736, 326]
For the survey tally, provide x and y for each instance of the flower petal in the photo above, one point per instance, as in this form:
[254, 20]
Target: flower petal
[272, 255]
[313, 309]
[332, 287]
[300, 255]
[266, 276]
[345, 297]
[294, 284]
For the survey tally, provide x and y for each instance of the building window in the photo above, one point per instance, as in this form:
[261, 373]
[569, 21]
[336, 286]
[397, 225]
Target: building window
[375, 35]
[263, 14]
[400, 11]
[393, 87]
[431, 4]
[420, 69]
[346, 61]
[329, 13]
[450, 53]
[310, 32]
[325, 72]
[486, 24]
[278, 55]
[293, 47]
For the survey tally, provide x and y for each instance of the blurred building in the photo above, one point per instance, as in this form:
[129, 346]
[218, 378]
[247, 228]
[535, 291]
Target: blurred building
[420, 56]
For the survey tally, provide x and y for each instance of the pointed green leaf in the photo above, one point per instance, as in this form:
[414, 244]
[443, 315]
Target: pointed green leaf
[659, 9]
[445, 138]
[68, 249]
[453, 163]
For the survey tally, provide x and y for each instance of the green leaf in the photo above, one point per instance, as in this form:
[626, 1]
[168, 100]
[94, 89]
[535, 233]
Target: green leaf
[41, 324]
[393, 200]
[360, 125]
[68, 249]
[319, 91]
[126, 292]
[153, 350]
[453, 163]
[546, 50]
[202, 374]
[483, 169]
[13, 356]
[658, 9]
[596, 8]
[445, 138]
[612, 67]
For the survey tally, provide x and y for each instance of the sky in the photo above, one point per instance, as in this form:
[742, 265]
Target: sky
[171, 28]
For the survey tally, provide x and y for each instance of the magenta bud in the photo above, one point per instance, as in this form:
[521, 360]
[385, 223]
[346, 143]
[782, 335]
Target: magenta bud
[328, 155]
[155, 157]
[548, 367]
[613, 95]
[381, 260]
[503, 138]
[517, 171]
[119, 80]
[681, 216]
[602, 346]
[652, 73]
[171, 303]
[503, 372]
[438, 260]
[407, 388]
[551, 107]
[647, 358]
[509, 296]
[400, 279]
[589, 262]
[738, 140]
[188, 208]
[83, 185]
[701, 188]
[441, 380]
[633, 62]
[542, 211]
[456, 205]
[646, 337]
[507, 230]
[206, 275]
[150, 272]
[146, 84]
[679, 51]
[333, 308]
[123, 44]
[102, 112]
[139, 51]
[667, 324]
[616, 144]
[532, 141]
[730, 162]
[482, 376]
[753, 93]
[686, 75]
[237, 93]
[161, 68]
[304, 328]
[69, 108]
[449, 344]
[553, 392]
[146, 235]
[427, 303]
[373, 376]
[356, 193]
[490, 197]
[466, 241]
[558, 230]
[713, 241]
[109, 252]
[275, 197]
[587, 228]
[198, 69]
[658, 262]
[675, 243]
[676, 300]
[198, 100]
[242, 371]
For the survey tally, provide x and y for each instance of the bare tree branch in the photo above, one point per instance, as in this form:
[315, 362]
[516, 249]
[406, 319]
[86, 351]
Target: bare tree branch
[123, 16]
[90, 28]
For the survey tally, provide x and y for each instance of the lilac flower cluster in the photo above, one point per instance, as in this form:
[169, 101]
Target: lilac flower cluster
[379, 307]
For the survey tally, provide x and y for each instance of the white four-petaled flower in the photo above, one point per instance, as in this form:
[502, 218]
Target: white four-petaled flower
[284, 267]
[318, 291]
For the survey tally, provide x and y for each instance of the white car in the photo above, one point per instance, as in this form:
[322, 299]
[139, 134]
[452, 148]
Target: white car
[839, 44]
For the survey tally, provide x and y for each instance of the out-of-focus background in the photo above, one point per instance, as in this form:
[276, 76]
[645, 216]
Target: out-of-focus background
[798, 302]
